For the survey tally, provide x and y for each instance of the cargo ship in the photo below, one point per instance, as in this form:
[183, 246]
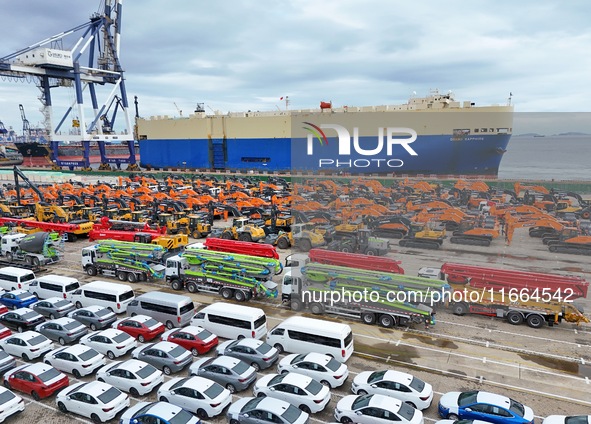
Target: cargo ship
[434, 134]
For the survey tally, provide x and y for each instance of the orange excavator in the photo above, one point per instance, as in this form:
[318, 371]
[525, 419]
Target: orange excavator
[543, 225]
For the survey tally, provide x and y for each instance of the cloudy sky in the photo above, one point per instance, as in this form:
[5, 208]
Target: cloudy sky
[236, 55]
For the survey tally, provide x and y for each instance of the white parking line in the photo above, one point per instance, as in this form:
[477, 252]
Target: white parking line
[57, 410]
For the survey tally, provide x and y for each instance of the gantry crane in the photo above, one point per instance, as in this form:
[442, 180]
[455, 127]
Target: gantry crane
[91, 65]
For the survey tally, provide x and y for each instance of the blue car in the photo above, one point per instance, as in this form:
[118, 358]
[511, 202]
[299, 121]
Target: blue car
[18, 299]
[484, 406]
[157, 412]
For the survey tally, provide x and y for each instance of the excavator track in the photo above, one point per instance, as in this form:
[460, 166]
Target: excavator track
[561, 247]
[419, 244]
[471, 240]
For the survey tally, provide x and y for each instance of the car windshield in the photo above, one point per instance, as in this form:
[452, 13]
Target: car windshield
[298, 358]
[240, 368]
[182, 417]
[361, 402]
[151, 323]
[29, 316]
[147, 371]
[178, 351]
[406, 411]
[109, 395]
[37, 340]
[376, 376]
[577, 419]
[314, 387]
[467, 398]
[517, 408]
[251, 404]
[214, 391]
[264, 348]
[143, 410]
[121, 337]
[417, 384]
[89, 354]
[179, 383]
[61, 303]
[6, 396]
[276, 380]
[333, 365]
[204, 334]
[126, 296]
[50, 374]
[103, 312]
[72, 325]
[291, 414]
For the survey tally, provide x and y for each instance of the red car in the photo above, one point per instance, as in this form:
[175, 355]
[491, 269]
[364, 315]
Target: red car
[196, 339]
[3, 309]
[4, 332]
[141, 327]
[39, 380]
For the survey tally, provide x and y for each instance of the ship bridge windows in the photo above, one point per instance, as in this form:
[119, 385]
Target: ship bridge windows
[483, 130]
[476, 130]
[255, 159]
[461, 132]
[503, 130]
[491, 130]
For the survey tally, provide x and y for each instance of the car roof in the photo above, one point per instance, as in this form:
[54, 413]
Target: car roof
[138, 318]
[226, 361]
[198, 383]
[398, 376]
[133, 365]
[54, 299]
[63, 321]
[191, 329]
[27, 335]
[93, 388]
[36, 368]
[165, 346]
[254, 343]
[92, 308]
[275, 406]
[319, 358]
[23, 311]
[296, 379]
[493, 399]
[19, 292]
[109, 332]
[76, 349]
[163, 410]
[385, 402]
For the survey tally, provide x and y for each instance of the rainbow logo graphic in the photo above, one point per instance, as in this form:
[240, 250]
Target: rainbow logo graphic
[317, 132]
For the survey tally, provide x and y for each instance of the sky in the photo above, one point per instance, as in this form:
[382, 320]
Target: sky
[239, 55]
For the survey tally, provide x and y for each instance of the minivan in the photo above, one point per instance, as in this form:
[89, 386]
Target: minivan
[173, 310]
[232, 321]
[113, 296]
[12, 278]
[304, 335]
[54, 286]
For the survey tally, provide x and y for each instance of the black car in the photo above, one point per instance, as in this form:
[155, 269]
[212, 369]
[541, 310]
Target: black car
[22, 319]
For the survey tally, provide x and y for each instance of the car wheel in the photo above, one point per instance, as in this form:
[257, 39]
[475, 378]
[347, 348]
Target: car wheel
[25, 357]
[240, 337]
[93, 327]
[133, 391]
[361, 392]
[346, 420]
[169, 325]
[7, 384]
[51, 316]
[326, 383]
[411, 404]
[76, 373]
[100, 379]
[163, 399]
[453, 417]
[201, 414]
[283, 372]
[261, 395]
[141, 339]
[35, 395]
[110, 355]
[278, 347]
[231, 388]
[62, 341]
[47, 362]
[20, 329]
[234, 422]
[194, 352]
[78, 305]
[305, 408]
[62, 407]
[256, 366]
[166, 370]
[96, 419]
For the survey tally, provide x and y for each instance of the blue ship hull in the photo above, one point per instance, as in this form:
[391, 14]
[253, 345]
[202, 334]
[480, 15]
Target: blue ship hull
[436, 154]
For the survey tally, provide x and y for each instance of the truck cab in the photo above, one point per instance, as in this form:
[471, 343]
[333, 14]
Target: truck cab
[10, 242]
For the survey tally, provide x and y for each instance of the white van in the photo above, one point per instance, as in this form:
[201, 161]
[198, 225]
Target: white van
[173, 310]
[54, 286]
[305, 335]
[12, 278]
[113, 296]
[232, 321]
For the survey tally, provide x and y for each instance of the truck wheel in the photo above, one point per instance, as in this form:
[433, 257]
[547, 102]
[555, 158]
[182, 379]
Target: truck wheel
[36, 262]
[305, 245]
[9, 256]
[72, 237]
[387, 321]
[196, 234]
[122, 276]
[29, 260]
[192, 288]
[91, 270]
[371, 252]
[227, 236]
[176, 285]
[368, 318]
[245, 237]
[316, 308]
[131, 277]
[460, 309]
[515, 318]
[345, 249]
[239, 296]
[227, 293]
[535, 321]
[296, 305]
[283, 243]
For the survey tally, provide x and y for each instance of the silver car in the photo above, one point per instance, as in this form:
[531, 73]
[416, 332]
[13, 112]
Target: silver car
[94, 317]
[53, 308]
[258, 354]
[6, 362]
[166, 356]
[232, 373]
[62, 330]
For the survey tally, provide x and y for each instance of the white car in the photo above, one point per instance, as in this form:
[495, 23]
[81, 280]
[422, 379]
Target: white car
[110, 342]
[10, 404]
[265, 410]
[133, 376]
[157, 412]
[376, 409]
[96, 400]
[396, 384]
[300, 390]
[78, 360]
[564, 419]
[320, 367]
[28, 345]
[202, 396]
